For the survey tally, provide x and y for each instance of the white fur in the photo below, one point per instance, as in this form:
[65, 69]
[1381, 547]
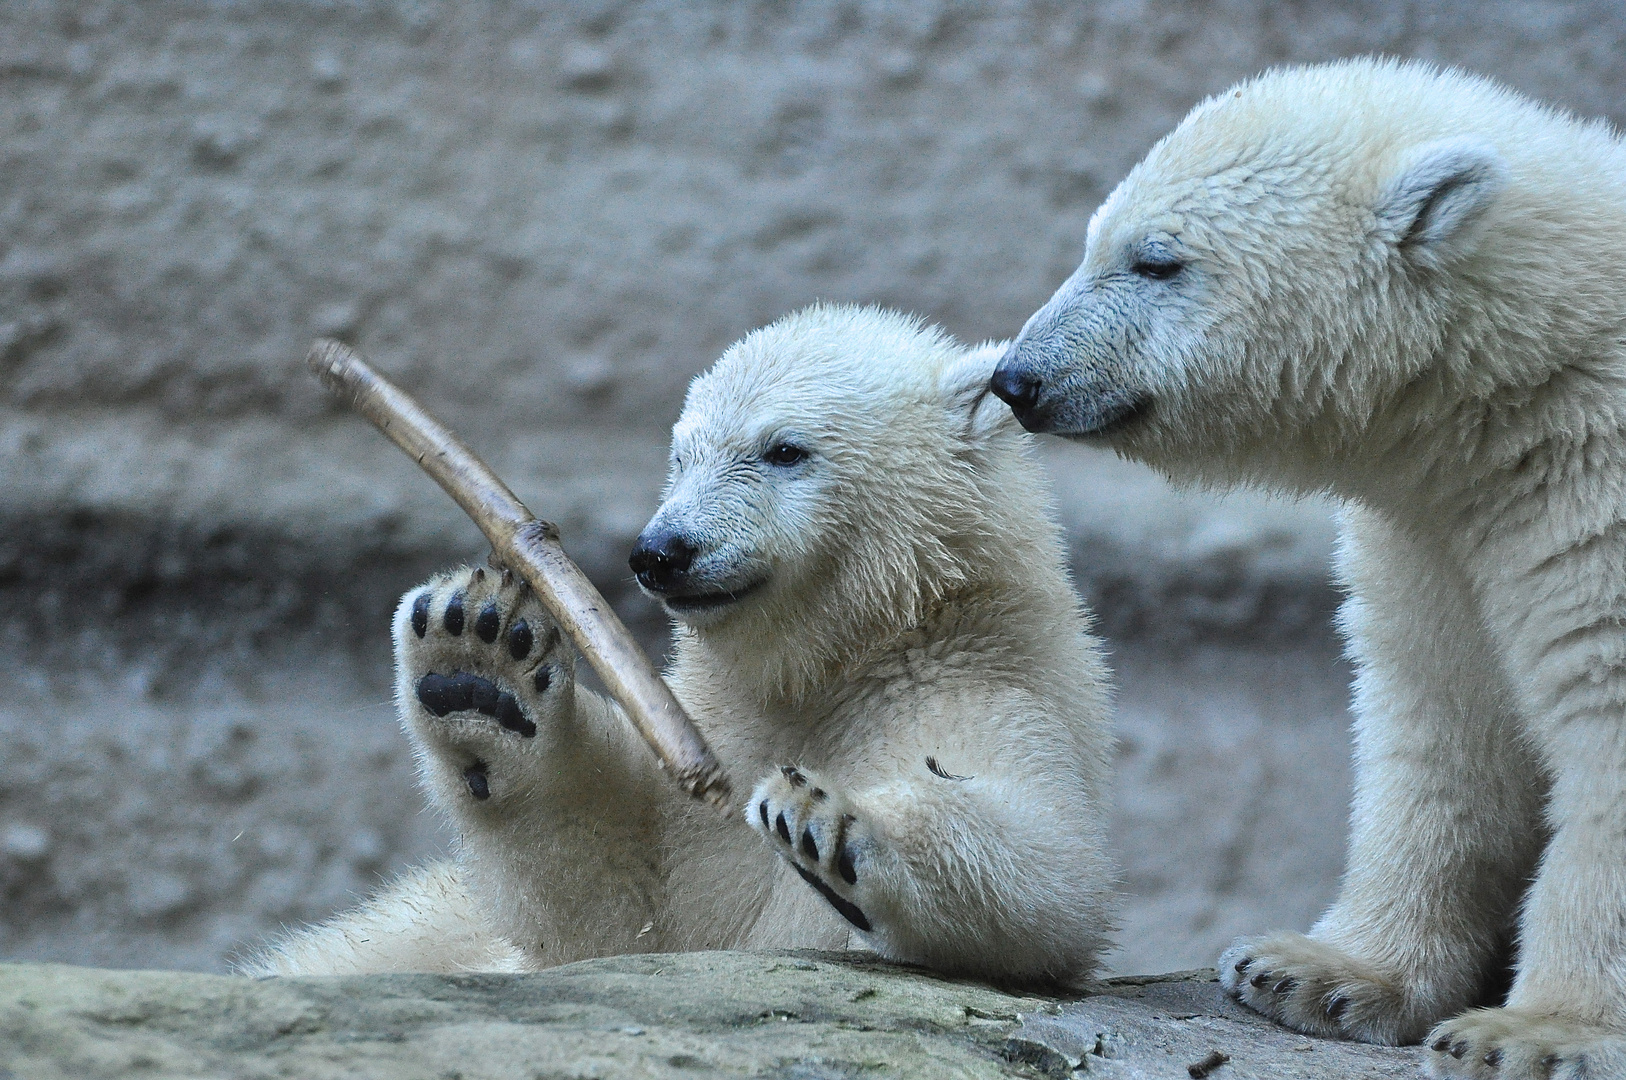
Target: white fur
[911, 603]
[1405, 287]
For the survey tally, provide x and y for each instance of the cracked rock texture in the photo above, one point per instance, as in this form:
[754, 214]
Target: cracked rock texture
[544, 218]
[791, 1016]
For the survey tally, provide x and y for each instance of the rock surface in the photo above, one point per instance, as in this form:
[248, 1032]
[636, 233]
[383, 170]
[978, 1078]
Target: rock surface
[792, 1016]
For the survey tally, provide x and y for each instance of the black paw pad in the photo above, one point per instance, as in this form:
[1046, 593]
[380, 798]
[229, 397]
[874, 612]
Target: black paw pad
[542, 679]
[762, 808]
[844, 866]
[781, 828]
[519, 640]
[846, 908]
[810, 846]
[454, 615]
[462, 692]
[475, 777]
[485, 624]
[420, 614]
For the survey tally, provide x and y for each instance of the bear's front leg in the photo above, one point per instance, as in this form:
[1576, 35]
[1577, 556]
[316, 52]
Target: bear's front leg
[974, 875]
[1446, 821]
[818, 833]
[551, 793]
[1565, 1017]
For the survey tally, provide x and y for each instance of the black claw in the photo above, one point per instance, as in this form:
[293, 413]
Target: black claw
[762, 808]
[1442, 1044]
[1493, 1058]
[1260, 979]
[420, 614]
[486, 624]
[1336, 1007]
[1242, 965]
[810, 846]
[844, 866]
[519, 640]
[1459, 1048]
[819, 794]
[781, 828]
[1549, 1063]
[794, 775]
[1285, 986]
[454, 614]
[544, 677]
[475, 777]
[847, 909]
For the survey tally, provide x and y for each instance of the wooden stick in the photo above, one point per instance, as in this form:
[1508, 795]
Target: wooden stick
[532, 547]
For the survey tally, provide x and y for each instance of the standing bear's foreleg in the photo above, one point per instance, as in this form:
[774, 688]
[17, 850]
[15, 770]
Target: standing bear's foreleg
[1446, 822]
[1560, 620]
[549, 790]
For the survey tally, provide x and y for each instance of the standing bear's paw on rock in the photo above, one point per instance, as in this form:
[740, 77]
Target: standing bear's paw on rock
[1401, 286]
[1493, 1044]
[1312, 987]
[480, 666]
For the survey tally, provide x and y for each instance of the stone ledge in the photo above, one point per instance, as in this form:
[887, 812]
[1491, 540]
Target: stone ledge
[801, 1015]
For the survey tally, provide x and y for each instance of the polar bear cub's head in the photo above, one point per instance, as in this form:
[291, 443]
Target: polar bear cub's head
[1288, 263]
[830, 472]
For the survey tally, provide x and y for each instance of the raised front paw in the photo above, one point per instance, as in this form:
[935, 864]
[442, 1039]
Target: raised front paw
[1312, 987]
[816, 830]
[1520, 1044]
[479, 665]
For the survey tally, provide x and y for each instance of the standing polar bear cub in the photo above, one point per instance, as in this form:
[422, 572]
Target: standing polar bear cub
[874, 627]
[1405, 287]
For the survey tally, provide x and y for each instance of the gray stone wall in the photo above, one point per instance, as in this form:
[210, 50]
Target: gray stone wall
[545, 218]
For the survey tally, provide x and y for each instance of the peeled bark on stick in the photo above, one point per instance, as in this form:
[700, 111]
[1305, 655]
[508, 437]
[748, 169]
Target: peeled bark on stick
[532, 548]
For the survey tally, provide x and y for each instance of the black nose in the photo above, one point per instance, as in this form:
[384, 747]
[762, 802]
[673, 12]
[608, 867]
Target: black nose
[1015, 387]
[660, 558]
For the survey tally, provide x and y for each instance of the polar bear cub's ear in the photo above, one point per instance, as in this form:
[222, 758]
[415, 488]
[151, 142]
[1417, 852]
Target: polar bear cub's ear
[979, 413]
[1432, 208]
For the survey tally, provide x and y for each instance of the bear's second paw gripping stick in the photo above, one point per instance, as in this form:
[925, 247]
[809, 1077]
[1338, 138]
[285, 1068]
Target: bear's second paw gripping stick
[532, 548]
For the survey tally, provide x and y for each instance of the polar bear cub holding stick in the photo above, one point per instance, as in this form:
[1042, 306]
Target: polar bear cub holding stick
[1406, 287]
[875, 629]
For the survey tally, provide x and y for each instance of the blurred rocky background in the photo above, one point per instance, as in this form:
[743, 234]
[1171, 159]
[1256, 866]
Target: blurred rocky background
[544, 217]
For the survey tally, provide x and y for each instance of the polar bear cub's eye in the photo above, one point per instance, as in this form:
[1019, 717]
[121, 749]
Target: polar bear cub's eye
[1155, 261]
[785, 453]
[1158, 270]
[1157, 267]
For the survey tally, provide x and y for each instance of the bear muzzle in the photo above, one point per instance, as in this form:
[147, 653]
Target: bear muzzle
[664, 562]
[1068, 405]
[661, 559]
